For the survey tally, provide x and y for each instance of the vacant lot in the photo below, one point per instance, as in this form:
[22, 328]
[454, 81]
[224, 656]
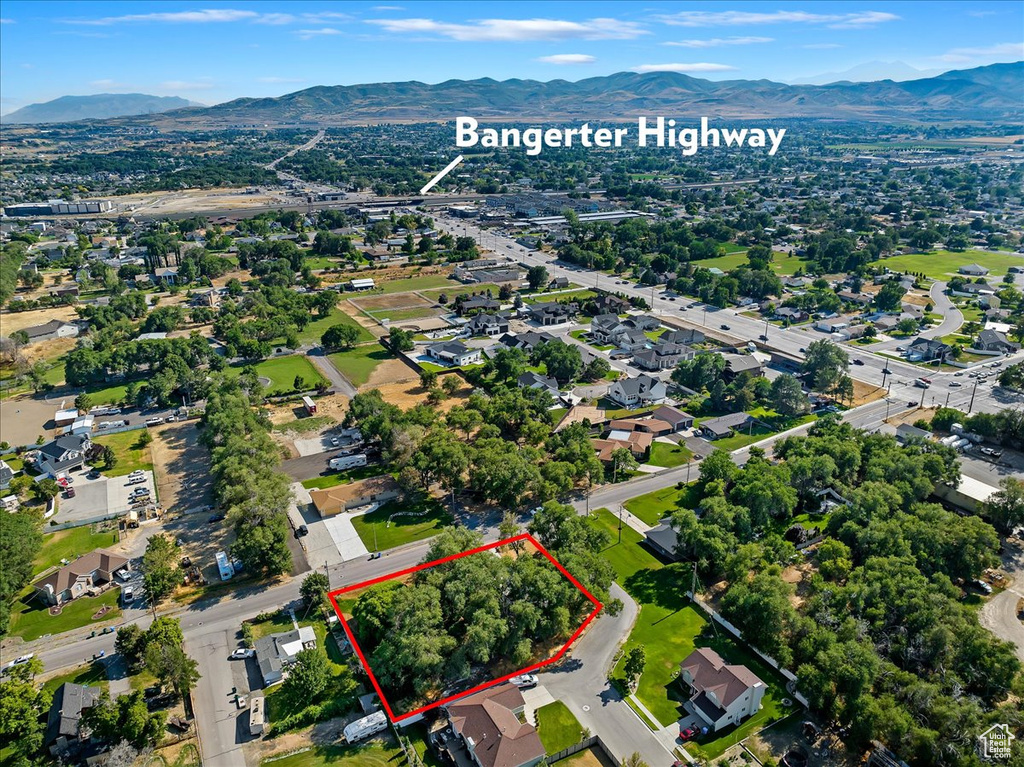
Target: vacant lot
[281, 372]
[943, 264]
[783, 264]
[664, 454]
[557, 727]
[131, 454]
[316, 328]
[661, 503]
[392, 301]
[181, 467]
[12, 321]
[359, 363]
[409, 393]
[420, 282]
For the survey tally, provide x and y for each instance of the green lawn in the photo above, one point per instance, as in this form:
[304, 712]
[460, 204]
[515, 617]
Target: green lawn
[402, 530]
[457, 289]
[312, 332]
[742, 439]
[342, 477]
[107, 395]
[93, 674]
[573, 295]
[131, 455]
[783, 264]
[30, 619]
[943, 264]
[282, 371]
[664, 454]
[371, 754]
[424, 282]
[70, 544]
[655, 506]
[629, 557]
[357, 364]
[557, 727]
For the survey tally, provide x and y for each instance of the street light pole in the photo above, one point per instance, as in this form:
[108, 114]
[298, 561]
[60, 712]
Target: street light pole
[620, 523]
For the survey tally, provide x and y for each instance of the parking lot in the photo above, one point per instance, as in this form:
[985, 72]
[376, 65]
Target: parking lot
[99, 497]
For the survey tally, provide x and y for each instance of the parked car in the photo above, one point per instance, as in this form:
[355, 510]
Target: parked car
[154, 421]
[334, 442]
[524, 681]
[301, 530]
[69, 492]
[689, 733]
[93, 474]
[216, 518]
[242, 653]
[725, 327]
[128, 594]
[763, 337]
[955, 384]
[858, 362]
[886, 371]
[136, 473]
[139, 492]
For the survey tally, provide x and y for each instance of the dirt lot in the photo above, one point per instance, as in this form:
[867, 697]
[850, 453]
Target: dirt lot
[408, 393]
[11, 321]
[196, 199]
[391, 301]
[181, 463]
[333, 406]
[910, 416]
[27, 416]
[864, 393]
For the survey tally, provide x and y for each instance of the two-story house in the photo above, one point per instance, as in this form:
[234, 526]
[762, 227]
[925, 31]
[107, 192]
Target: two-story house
[722, 694]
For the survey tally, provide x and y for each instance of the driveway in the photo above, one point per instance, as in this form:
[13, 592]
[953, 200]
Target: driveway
[338, 381]
[581, 682]
[99, 497]
[999, 614]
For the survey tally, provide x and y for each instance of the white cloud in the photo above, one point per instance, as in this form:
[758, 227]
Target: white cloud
[856, 20]
[186, 85]
[961, 55]
[278, 80]
[821, 46]
[718, 42]
[309, 34]
[568, 58]
[208, 16]
[7, 21]
[325, 16]
[514, 30]
[698, 66]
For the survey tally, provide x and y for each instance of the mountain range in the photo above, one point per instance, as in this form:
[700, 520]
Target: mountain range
[994, 92]
[99, 106]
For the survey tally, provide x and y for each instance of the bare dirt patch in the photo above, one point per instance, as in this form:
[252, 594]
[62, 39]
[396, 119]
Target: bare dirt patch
[391, 301]
[865, 392]
[11, 321]
[333, 405]
[181, 463]
[917, 299]
[910, 416]
[47, 350]
[409, 393]
[390, 372]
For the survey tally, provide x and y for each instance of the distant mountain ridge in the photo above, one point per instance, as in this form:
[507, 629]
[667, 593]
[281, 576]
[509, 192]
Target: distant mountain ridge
[100, 106]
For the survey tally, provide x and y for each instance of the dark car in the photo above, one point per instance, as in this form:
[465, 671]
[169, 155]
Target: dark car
[301, 530]
[672, 298]
[887, 371]
[69, 492]
[858, 362]
[726, 327]
[94, 474]
[689, 733]
[763, 337]
[216, 518]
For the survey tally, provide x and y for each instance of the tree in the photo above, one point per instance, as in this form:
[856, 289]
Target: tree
[47, 489]
[145, 438]
[309, 676]
[125, 719]
[451, 385]
[314, 590]
[20, 540]
[83, 402]
[622, 461]
[401, 340]
[906, 326]
[636, 660]
[1006, 506]
[634, 760]
[340, 337]
[563, 361]
[701, 372]
[889, 298]
[596, 369]
[171, 665]
[508, 363]
[109, 457]
[160, 567]
[537, 277]
[130, 644]
[787, 396]
[21, 711]
[824, 363]
[717, 467]
[835, 560]
[428, 379]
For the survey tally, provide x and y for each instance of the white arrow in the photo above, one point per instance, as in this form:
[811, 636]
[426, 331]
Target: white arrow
[447, 169]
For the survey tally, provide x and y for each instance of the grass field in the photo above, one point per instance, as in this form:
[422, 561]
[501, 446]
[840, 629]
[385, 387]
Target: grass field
[107, 395]
[663, 454]
[358, 363]
[783, 264]
[943, 264]
[282, 371]
[376, 527]
[557, 727]
[342, 477]
[456, 289]
[661, 503]
[30, 619]
[92, 674]
[368, 755]
[312, 332]
[421, 282]
[629, 557]
[574, 295]
[70, 544]
[131, 455]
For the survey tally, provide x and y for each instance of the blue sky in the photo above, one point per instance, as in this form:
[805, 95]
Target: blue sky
[215, 51]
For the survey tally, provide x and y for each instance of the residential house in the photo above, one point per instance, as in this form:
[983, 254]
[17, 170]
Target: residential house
[50, 330]
[169, 274]
[606, 303]
[726, 425]
[493, 729]
[204, 298]
[531, 380]
[674, 417]
[685, 336]
[790, 313]
[87, 574]
[886, 323]
[973, 270]
[61, 291]
[637, 442]
[662, 356]
[335, 500]
[6, 475]
[559, 283]
[925, 349]
[736, 364]
[487, 325]
[974, 289]
[663, 539]
[654, 426]
[454, 353]
[861, 299]
[63, 721]
[638, 392]
[994, 341]
[276, 652]
[990, 302]
[722, 694]
[478, 304]
[65, 453]
[906, 433]
[526, 341]
[551, 313]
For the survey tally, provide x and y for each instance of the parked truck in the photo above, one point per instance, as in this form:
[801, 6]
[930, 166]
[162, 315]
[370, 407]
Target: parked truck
[224, 565]
[365, 727]
[310, 405]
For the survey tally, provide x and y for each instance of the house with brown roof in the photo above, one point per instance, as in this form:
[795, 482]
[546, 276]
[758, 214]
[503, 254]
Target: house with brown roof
[87, 574]
[722, 694]
[334, 500]
[490, 727]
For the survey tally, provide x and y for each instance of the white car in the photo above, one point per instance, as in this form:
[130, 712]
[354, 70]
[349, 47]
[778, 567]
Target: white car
[127, 594]
[524, 680]
[137, 473]
[242, 653]
[154, 421]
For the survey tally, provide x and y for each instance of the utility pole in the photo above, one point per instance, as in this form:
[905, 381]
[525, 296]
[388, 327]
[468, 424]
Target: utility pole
[971, 406]
[620, 523]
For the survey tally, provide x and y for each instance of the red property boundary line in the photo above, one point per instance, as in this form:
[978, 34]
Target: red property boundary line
[416, 568]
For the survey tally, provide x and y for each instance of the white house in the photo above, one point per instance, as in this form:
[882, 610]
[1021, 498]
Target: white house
[65, 453]
[276, 652]
[638, 392]
[454, 353]
[721, 694]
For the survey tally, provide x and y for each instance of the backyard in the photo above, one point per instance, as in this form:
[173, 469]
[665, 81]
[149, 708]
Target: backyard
[70, 544]
[669, 455]
[379, 532]
[557, 727]
[131, 454]
[281, 373]
[655, 506]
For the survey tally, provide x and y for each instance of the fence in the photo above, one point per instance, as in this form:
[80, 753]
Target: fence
[575, 748]
[789, 675]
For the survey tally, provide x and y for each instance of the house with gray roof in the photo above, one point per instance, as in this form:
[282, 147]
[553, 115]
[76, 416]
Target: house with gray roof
[276, 652]
[64, 718]
[722, 694]
[66, 453]
[638, 392]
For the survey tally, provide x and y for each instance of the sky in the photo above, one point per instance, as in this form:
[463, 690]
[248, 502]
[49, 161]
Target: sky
[212, 52]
